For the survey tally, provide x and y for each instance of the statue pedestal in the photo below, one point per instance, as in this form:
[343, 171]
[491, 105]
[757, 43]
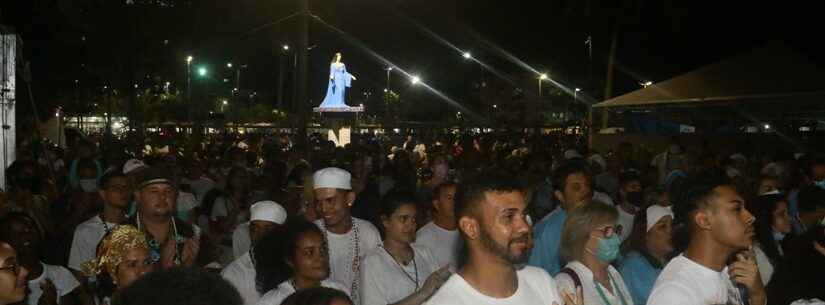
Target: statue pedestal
[340, 121]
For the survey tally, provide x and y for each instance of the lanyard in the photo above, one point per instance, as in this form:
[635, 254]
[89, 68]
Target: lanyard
[415, 268]
[615, 288]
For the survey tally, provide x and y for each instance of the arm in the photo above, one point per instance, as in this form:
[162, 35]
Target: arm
[434, 281]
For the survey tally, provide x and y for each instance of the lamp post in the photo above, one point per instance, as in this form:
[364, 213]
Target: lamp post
[542, 77]
[189, 87]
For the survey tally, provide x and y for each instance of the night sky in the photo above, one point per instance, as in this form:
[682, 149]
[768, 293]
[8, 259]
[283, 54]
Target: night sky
[657, 39]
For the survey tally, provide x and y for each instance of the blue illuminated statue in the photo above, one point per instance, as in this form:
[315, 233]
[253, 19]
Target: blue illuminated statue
[339, 80]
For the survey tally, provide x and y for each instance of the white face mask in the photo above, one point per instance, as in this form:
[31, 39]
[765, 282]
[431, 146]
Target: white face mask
[88, 185]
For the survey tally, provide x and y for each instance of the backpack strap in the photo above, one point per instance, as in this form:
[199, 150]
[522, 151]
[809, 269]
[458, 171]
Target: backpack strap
[574, 276]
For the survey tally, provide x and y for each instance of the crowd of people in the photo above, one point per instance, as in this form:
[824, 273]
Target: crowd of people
[508, 218]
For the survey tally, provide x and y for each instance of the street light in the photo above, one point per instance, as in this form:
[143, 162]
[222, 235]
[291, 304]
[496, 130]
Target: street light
[542, 77]
[467, 55]
[285, 47]
[415, 80]
[189, 87]
[229, 65]
[646, 84]
[202, 71]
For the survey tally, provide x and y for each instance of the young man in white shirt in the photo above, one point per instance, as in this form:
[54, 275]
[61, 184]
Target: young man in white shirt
[720, 227]
[493, 224]
[349, 239]
[440, 235]
[266, 216]
[114, 190]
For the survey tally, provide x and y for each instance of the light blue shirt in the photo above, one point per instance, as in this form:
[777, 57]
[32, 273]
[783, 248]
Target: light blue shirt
[639, 275]
[547, 238]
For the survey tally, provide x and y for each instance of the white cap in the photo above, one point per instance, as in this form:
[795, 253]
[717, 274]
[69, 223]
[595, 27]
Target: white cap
[656, 212]
[332, 177]
[571, 154]
[598, 159]
[267, 210]
[132, 165]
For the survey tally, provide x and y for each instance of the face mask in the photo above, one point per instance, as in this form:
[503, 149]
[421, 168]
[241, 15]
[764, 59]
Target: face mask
[634, 198]
[608, 249]
[777, 236]
[820, 184]
[88, 185]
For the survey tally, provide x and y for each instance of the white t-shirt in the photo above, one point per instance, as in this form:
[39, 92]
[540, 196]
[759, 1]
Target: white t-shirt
[589, 291]
[84, 243]
[241, 240]
[341, 250]
[626, 221]
[685, 282]
[443, 244]
[535, 286]
[63, 280]
[285, 289]
[241, 274]
[186, 201]
[200, 186]
[382, 280]
[764, 263]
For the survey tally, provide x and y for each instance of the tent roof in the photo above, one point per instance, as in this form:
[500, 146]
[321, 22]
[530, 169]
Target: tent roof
[772, 72]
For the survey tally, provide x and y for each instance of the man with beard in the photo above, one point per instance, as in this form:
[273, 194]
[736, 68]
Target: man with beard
[718, 266]
[172, 242]
[497, 238]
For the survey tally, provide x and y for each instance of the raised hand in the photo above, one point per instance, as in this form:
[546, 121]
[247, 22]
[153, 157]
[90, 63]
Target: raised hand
[49, 296]
[744, 271]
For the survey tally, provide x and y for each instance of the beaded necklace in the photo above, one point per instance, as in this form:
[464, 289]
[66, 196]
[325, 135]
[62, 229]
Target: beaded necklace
[154, 245]
[355, 250]
[415, 268]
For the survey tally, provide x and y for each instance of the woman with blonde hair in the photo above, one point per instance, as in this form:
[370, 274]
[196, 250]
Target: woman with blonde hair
[590, 242]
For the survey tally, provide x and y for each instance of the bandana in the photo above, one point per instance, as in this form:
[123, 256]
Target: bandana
[113, 249]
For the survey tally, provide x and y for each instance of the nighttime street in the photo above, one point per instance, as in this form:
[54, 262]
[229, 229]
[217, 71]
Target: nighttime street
[374, 152]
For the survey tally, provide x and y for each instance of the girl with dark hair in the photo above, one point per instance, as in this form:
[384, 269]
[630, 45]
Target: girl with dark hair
[12, 276]
[650, 246]
[399, 272]
[318, 296]
[292, 260]
[773, 223]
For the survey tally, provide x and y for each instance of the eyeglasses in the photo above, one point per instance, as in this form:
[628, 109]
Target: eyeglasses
[608, 231]
[13, 267]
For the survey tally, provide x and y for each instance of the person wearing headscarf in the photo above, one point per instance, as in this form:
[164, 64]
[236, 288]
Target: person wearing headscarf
[122, 257]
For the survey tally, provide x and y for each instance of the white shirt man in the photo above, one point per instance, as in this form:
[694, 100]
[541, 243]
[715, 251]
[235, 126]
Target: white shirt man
[241, 272]
[535, 286]
[342, 249]
[349, 239]
[684, 281]
[441, 236]
[382, 280]
[444, 244]
[491, 218]
[86, 237]
[720, 227]
[63, 280]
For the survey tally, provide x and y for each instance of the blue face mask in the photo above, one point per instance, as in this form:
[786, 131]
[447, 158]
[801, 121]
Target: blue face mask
[608, 249]
[777, 236]
[820, 184]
